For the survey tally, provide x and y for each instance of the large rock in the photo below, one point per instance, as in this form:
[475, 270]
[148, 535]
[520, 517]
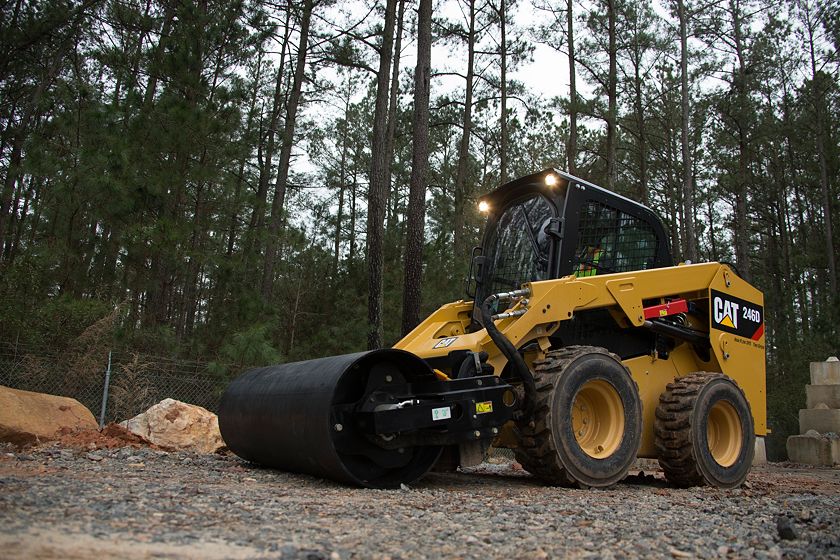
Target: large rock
[821, 419]
[176, 425]
[814, 449]
[27, 417]
[816, 395]
[826, 373]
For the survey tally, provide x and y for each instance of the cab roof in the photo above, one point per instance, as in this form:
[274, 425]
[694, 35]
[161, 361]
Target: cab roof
[501, 196]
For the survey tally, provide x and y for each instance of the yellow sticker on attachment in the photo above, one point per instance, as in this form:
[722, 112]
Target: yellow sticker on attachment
[484, 407]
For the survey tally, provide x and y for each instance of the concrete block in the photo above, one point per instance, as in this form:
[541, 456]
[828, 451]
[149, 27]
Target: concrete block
[760, 452]
[826, 373]
[828, 395]
[814, 450]
[820, 419]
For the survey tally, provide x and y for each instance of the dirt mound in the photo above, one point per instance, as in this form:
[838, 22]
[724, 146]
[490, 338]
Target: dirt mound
[112, 436]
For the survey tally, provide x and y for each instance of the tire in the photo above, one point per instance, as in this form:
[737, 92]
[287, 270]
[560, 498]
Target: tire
[586, 429]
[704, 431]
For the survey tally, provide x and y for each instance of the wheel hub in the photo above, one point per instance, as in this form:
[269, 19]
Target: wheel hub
[723, 432]
[598, 419]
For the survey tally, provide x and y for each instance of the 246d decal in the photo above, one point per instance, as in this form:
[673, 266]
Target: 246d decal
[737, 316]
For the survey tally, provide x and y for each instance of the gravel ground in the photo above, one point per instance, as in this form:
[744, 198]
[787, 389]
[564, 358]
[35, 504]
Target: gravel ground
[128, 502]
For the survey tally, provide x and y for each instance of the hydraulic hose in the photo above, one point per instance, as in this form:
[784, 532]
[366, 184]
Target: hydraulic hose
[518, 365]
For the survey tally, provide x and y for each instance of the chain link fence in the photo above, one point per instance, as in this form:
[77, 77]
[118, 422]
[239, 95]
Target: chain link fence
[135, 381]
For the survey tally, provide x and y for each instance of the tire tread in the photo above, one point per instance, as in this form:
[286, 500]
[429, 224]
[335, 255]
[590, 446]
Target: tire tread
[537, 452]
[673, 428]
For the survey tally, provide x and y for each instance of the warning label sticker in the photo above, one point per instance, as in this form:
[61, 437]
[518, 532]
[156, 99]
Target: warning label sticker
[484, 407]
[736, 315]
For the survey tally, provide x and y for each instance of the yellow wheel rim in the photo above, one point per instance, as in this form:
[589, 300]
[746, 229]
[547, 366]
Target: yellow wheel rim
[598, 419]
[723, 432]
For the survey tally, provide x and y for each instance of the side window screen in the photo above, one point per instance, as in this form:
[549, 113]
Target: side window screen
[612, 241]
[520, 247]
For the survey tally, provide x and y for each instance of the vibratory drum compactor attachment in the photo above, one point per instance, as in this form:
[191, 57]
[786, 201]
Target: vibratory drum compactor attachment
[376, 419]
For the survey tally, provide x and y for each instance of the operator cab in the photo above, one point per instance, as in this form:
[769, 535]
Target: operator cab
[552, 224]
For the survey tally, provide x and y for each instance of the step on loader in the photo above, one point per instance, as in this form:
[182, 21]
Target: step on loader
[581, 346]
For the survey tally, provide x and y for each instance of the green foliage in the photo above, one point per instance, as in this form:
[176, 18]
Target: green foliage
[249, 347]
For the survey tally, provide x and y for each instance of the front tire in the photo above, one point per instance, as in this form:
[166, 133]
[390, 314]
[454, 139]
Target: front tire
[704, 431]
[586, 429]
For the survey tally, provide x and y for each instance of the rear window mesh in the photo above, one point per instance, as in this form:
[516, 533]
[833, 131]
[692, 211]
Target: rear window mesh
[612, 241]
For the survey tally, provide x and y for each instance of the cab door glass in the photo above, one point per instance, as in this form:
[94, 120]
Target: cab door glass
[519, 248]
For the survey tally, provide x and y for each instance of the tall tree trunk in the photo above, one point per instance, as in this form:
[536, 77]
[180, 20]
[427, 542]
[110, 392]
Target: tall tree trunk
[612, 99]
[571, 147]
[413, 280]
[342, 178]
[503, 91]
[742, 229]
[461, 193]
[351, 241]
[155, 55]
[671, 185]
[826, 207]
[9, 188]
[392, 193]
[30, 192]
[258, 213]
[712, 221]
[22, 130]
[285, 156]
[233, 222]
[818, 97]
[638, 105]
[378, 189]
[687, 186]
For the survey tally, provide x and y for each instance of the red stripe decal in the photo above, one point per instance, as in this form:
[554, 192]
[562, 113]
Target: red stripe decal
[759, 333]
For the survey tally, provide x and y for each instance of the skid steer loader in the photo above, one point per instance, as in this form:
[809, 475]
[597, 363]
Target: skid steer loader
[581, 346]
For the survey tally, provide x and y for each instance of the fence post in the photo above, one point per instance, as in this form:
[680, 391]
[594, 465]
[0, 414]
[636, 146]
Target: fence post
[105, 393]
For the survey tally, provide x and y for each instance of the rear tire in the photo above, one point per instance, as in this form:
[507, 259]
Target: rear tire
[704, 431]
[586, 429]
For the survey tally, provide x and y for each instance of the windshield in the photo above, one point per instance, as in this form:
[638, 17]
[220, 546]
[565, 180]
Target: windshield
[517, 250]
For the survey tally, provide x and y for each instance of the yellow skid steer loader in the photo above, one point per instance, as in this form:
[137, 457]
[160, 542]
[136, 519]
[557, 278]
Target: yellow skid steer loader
[581, 346]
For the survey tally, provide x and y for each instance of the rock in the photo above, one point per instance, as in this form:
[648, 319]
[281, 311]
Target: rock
[175, 425]
[95, 456]
[760, 456]
[785, 528]
[822, 396]
[826, 373]
[821, 419]
[27, 417]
